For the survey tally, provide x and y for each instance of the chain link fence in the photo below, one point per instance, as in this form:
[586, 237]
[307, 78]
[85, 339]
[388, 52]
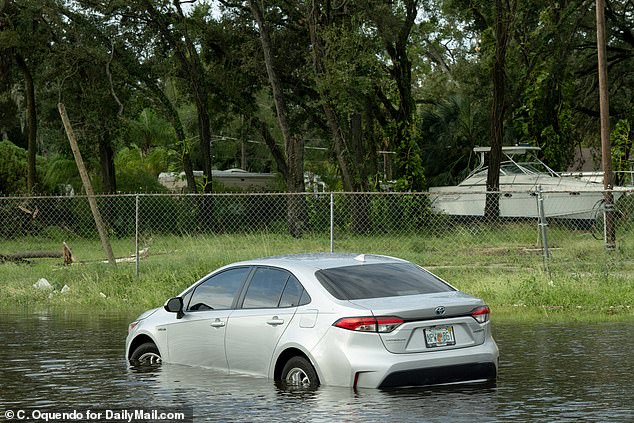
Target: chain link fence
[538, 230]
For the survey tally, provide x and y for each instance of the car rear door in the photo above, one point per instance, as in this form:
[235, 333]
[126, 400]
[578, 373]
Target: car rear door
[267, 306]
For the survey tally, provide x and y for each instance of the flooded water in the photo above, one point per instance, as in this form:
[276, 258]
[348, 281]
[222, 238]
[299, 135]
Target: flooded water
[548, 373]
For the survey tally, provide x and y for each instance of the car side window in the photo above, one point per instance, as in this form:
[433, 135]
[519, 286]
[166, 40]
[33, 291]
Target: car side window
[265, 288]
[219, 291]
[305, 298]
[292, 293]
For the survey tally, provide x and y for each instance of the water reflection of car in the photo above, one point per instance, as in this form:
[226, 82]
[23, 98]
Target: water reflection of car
[335, 319]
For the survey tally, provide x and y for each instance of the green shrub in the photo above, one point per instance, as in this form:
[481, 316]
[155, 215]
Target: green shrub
[138, 172]
[12, 168]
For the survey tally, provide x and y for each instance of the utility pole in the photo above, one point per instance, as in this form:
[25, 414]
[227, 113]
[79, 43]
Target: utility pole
[85, 179]
[606, 149]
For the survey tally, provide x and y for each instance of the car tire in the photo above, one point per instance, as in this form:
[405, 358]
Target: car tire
[298, 373]
[145, 354]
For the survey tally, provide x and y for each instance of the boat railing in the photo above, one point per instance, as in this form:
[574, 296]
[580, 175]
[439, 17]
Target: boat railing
[624, 178]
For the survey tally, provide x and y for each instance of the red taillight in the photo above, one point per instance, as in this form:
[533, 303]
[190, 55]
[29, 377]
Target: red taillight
[369, 324]
[132, 326]
[481, 314]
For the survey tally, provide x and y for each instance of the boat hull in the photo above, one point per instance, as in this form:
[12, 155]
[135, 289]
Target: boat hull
[573, 205]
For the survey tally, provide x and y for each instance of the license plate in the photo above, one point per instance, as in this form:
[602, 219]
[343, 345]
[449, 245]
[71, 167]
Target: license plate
[440, 336]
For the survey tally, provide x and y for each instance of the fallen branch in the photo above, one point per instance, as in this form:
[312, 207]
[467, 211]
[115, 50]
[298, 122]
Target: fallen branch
[23, 257]
[132, 258]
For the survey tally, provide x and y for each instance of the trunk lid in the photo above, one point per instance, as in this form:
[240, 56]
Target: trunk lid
[433, 322]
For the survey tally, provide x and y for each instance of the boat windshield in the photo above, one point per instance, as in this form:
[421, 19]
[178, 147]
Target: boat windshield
[510, 168]
[513, 168]
[537, 168]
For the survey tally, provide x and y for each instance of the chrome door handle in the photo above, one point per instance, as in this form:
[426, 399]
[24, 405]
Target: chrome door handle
[217, 323]
[275, 321]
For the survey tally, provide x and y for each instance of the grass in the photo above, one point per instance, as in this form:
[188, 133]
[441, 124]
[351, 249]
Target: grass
[502, 266]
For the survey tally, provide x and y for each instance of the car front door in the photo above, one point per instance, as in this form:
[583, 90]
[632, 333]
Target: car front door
[254, 328]
[198, 338]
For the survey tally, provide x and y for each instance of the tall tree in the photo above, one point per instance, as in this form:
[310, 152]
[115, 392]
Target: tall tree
[502, 22]
[168, 29]
[394, 23]
[293, 141]
[93, 97]
[23, 34]
[318, 16]
[129, 54]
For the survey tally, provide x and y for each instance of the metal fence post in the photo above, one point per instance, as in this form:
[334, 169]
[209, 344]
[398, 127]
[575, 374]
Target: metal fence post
[609, 234]
[543, 224]
[136, 234]
[332, 222]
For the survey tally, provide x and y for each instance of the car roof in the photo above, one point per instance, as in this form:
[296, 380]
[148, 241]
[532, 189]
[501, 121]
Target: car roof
[318, 261]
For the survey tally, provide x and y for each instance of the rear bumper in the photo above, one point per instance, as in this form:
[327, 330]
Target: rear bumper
[459, 365]
[365, 363]
[438, 375]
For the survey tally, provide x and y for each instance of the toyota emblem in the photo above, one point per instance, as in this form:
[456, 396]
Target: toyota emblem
[440, 310]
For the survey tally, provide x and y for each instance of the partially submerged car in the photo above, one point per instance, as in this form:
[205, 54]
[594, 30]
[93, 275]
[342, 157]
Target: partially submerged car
[363, 321]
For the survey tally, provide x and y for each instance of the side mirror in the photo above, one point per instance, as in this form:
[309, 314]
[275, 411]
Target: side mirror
[175, 305]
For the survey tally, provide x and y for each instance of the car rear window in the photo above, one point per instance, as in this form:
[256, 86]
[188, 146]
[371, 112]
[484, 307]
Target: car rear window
[379, 280]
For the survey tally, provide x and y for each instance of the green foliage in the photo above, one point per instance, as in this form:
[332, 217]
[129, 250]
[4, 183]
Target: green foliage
[545, 120]
[450, 129]
[60, 171]
[621, 140]
[8, 110]
[149, 130]
[351, 68]
[408, 162]
[137, 172]
[12, 168]
[9, 39]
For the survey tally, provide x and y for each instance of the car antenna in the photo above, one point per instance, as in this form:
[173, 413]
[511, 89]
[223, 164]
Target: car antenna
[360, 257]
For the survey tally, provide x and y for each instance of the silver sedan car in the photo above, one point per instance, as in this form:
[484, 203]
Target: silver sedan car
[362, 321]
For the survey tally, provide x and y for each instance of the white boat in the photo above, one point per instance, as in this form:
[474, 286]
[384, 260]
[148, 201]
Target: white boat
[520, 181]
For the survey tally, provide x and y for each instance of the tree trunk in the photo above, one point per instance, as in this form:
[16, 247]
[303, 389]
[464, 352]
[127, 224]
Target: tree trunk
[188, 168]
[492, 205]
[274, 81]
[276, 152]
[294, 144]
[31, 123]
[65, 254]
[296, 209]
[190, 66]
[348, 171]
[408, 154]
[180, 133]
[106, 156]
[194, 67]
[341, 149]
[361, 205]
[371, 167]
[204, 131]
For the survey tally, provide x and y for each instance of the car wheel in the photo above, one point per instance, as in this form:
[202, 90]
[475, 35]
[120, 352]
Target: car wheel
[299, 373]
[145, 354]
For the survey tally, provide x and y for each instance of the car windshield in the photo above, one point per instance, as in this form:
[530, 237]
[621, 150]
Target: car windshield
[379, 280]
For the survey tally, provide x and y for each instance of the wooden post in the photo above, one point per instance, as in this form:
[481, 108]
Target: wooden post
[606, 149]
[87, 185]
